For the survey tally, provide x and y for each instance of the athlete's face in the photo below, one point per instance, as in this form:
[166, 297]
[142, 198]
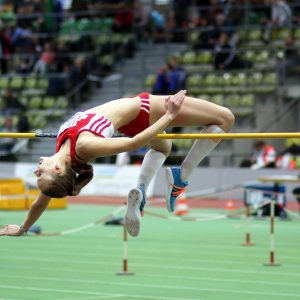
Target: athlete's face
[45, 169]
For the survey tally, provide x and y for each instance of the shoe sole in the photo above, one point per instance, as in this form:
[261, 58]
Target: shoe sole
[133, 214]
[170, 183]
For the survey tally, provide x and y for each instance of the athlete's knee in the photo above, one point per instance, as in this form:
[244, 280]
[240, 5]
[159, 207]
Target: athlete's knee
[165, 148]
[228, 119]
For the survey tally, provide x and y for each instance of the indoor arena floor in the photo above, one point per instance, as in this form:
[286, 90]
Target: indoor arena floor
[171, 259]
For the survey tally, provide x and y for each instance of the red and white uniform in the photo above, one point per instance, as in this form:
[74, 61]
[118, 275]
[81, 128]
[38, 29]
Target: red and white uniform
[81, 121]
[100, 126]
[141, 122]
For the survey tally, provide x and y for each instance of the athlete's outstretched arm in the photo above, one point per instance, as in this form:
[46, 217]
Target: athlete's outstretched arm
[35, 211]
[91, 149]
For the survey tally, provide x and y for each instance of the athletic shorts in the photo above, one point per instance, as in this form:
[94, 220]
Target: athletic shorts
[141, 122]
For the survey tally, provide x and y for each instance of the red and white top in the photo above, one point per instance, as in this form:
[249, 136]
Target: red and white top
[81, 121]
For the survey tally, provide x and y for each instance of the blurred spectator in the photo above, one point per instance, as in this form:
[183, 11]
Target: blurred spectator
[290, 60]
[46, 60]
[5, 48]
[281, 13]
[225, 55]
[7, 144]
[161, 85]
[209, 38]
[23, 124]
[11, 103]
[177, 76]
[281, 16]
[21, 37]
[78, 72]
[142, 25]
[25, 66]
[123, 20]
[264, 156]
[290, 156]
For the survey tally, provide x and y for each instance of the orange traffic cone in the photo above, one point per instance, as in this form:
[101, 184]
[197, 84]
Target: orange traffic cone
[229, 204]
[181, 206]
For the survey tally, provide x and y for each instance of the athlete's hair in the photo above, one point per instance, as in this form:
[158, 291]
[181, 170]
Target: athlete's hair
[61, 185]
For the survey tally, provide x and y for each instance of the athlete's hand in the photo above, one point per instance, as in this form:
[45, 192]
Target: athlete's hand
[12, 230]
[173, 103]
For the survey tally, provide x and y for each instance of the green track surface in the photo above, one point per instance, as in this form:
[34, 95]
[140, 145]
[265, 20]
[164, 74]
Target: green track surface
[171, 259]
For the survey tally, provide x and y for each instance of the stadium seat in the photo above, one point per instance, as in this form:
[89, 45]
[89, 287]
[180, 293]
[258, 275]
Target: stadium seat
[194, 81]
[4, 81]
[189, 58]
[62, 102]
[255, 78]
[254, 35]
[218, 99]
[211, 79]
[42, 83]
[16, 83]
[270, 78]
[233, 100]
[193, 37]
[49, 102]
[239, 79]
[30, 83]
[150, 81]
[35, 102]
[262, 56]
[204, 57]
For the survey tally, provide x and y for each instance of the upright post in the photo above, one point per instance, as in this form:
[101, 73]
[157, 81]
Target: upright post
[125, 254]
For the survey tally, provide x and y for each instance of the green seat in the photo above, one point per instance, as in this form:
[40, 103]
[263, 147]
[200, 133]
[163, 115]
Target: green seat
[16, 83]
[62, 102]
[194, 81]
[4, 81]
[42, 83]
[296, 34]
[30, 83]
[263, 56]
[249, 55]
[283, 33]
[189, 58]
[37, 121]
[254, 35]
[116, 38]
[239, 79]
[49, 102]
[204, 57]
[227, 79]
[193, 37]
[23, 100]
[35, 102]
[255, 78]
[2, 119]
[247, 100]
[102, 39]
[106, 60]
[270, 78]
[211, 79]
[218, 99]
[233, 100]
[150, 81]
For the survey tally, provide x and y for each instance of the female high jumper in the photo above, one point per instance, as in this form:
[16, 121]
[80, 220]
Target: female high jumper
[88, 135]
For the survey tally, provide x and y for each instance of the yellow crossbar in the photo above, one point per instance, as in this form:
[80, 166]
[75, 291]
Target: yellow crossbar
[262, 135]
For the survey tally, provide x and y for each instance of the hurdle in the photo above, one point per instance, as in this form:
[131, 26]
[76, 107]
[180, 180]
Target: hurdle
[248, 216]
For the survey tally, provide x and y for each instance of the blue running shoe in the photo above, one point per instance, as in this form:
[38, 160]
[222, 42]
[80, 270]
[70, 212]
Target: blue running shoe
[175, 186]
[135, 204]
